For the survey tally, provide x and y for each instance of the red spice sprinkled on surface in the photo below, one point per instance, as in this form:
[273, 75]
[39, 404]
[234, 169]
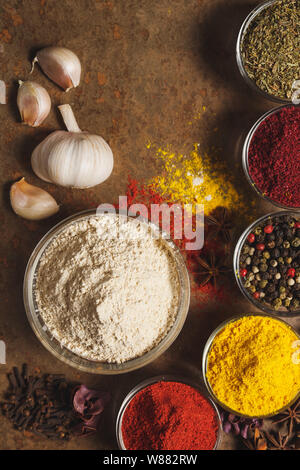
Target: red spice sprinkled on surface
[169, 416]
[274, 157]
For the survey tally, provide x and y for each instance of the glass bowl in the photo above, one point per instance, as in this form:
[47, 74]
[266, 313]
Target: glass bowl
[245, 154]
[236, 266]
[205, 357]
[67, 356]
[163, 378]
[256, 11]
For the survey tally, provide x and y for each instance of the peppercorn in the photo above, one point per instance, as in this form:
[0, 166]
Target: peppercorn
[271, 245]
[263, 284]
[251, 238]
[263, 267]
[268, 229]
[260, 247]
[277, 303]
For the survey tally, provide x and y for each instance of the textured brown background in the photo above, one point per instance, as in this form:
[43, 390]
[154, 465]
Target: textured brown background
[149, 66]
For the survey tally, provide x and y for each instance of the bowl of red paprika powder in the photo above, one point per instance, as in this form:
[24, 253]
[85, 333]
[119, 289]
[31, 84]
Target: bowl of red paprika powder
[271, 156]
[168, 413]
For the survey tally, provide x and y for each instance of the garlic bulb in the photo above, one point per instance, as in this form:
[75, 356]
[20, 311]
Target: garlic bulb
[72, 158]
[61, 65]
[33, 102]
[31, 202]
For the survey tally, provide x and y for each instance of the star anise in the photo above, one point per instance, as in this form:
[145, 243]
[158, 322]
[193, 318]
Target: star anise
[210, 269]
[291, 416]
[279, 441]
[221, 222]
[258, 442]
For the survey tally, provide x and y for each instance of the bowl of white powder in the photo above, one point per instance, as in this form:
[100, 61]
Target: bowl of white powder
[106, 293]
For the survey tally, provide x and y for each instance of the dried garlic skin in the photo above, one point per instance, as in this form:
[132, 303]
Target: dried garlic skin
[34, 103]
[31, 202]
[61, 65]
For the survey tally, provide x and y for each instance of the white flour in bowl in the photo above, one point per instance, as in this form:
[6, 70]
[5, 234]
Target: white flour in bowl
[107, 297]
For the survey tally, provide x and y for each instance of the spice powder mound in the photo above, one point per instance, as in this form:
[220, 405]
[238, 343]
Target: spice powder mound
[97, 288]
[169, 416]
[250, 365]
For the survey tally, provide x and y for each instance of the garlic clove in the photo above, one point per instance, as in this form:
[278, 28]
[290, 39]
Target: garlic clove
[31, 202]
[61, 65]
[34, 103]
[2, 92]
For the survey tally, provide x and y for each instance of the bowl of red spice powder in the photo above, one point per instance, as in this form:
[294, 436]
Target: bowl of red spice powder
[168, 413]
[271, 156]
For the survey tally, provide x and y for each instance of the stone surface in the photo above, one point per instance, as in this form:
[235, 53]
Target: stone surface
[149, 67]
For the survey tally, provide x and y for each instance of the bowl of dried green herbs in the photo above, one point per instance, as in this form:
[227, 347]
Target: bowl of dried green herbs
[267, 49]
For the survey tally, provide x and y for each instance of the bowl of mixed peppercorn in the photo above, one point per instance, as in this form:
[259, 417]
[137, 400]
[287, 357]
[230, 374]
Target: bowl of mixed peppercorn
[267, 263]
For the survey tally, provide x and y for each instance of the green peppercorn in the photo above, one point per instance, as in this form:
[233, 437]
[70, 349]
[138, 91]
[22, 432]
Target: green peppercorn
[282, 289]
[252, 289]
[247, 284]
[288, 260]
[280, 260]
[263, 284]
[287, 302]
[286, 244]
[296, 242]
[258, 231]
[277, 303]
[266, 255]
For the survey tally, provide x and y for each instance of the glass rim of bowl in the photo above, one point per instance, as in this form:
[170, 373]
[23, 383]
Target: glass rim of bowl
[206, 351]
[239, 59]
[245, 155]
[67, 356]
[236, 265]
[166, 378]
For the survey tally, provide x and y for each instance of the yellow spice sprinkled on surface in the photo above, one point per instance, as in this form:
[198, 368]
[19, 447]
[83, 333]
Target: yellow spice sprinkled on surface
[196, 179]
[250, 366]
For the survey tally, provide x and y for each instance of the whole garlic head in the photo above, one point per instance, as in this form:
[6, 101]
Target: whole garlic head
[72, 158]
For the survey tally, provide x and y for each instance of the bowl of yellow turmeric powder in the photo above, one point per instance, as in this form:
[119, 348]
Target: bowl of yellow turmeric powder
[251, 365]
